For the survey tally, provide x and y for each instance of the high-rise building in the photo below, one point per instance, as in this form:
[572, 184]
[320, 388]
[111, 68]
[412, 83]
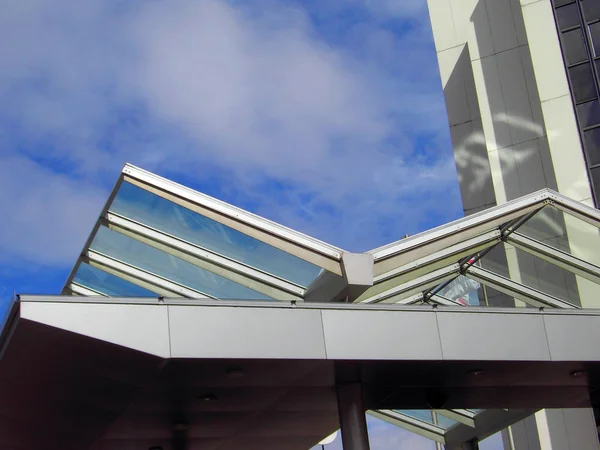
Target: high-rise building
[521, 80]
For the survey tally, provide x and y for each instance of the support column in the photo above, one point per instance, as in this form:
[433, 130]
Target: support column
[353, 422]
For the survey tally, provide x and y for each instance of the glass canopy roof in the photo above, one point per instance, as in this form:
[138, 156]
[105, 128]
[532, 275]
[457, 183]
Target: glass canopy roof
[158, 238]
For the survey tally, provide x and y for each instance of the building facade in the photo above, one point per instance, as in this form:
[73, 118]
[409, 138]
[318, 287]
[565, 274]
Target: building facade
[521, 83]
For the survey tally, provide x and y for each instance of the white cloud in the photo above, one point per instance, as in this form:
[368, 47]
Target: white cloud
[354, 129]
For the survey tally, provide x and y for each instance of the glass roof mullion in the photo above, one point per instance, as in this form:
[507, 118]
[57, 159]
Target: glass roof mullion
[576, 209]
[517, 290]
[437, 260]
[414, 286]
[79, 289]
[140, 277]
[235, 271]
[555, 256]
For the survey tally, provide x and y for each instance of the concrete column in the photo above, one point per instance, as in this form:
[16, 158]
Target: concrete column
[353, 422]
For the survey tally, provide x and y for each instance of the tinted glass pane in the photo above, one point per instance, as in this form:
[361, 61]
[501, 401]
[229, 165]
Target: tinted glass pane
[582, 82]
[541, 275]
[108, 284]
[164, 215]
[148, 258]
[567, 233]
[568, 16]
[562, 2]
[591, 9]
[574, 46]
[589, 113]
[595, 175]
[595, 33]
[592, 146]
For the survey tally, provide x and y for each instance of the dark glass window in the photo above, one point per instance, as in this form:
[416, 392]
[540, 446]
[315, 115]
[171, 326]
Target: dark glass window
[568, 16]
[591, 9]
[595, 176]
[574, 46]
[595, 34]
[582, 82]
[558, 3]
[589, 113]
[592, 147]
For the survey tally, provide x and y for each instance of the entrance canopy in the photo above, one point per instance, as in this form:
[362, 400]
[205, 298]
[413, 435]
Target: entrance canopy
[159, 243]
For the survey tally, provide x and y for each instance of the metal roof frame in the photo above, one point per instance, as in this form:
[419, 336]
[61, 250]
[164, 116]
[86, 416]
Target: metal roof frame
[410, 271]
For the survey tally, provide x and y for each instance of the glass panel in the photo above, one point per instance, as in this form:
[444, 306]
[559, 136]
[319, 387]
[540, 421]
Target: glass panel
[595, 175]
[462, 290]
[539, 274]
[591, 9]
[148, 258]
[574, 46]
[143, 206]
[444, 422]
[582, 82]
[592, 146]
[108, 284]
[589, 113]
[595, 34]
[558, 3]
[428, 416]
[553, 227]
[568, 16]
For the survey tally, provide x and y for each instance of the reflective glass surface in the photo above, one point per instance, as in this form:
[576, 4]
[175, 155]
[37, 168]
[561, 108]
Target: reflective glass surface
[589, 115]
[574, 46]
[539, 274]
[568, 16]
[108, 284]
[154, 211]
[553, 227]
[5, 308]
[140, 255]
[582, 82]
[592, 145]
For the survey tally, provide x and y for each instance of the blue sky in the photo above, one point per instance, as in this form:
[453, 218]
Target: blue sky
[326, 116]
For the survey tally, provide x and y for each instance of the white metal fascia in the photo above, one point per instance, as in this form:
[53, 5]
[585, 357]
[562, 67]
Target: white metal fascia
[517, 290]
[402, 252]
[555, 256]
[415, 286]
[140, 277]
[411, 424]
[79, 289]
[240, 273]
[286, 239]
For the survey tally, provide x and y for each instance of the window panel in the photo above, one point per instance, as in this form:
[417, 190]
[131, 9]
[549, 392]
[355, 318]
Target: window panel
[592, 146]
[156, 212]
[595, 176]
[582, 82]
[574, 46]
[108, 284]
[558, 3]
[589, 113]
[591, 9]
[568, 16]
[145, 257]
[595, 34]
